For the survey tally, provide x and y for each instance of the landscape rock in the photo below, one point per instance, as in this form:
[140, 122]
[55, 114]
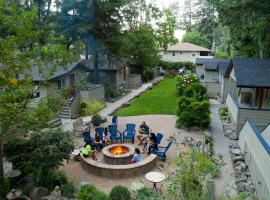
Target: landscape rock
[236, 151]
[228, 132]
[234, 145]
[242, 178]
[233, 136]
[242, 164]
[238, 158]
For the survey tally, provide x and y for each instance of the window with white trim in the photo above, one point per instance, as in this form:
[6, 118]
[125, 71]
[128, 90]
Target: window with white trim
[61, 84]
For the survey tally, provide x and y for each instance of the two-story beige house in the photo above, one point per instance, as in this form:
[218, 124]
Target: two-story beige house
[249, 91]
[184, 52]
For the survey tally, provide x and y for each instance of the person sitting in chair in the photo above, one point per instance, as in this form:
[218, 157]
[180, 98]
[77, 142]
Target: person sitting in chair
[98, 142]
[137, 156]
[107, 137]
[87, 150]
[153, 145]
[143, 133]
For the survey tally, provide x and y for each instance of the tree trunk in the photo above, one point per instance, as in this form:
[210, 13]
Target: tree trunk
[96, 73]
[1, 163]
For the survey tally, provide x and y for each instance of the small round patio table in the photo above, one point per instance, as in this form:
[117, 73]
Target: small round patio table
[155, 177]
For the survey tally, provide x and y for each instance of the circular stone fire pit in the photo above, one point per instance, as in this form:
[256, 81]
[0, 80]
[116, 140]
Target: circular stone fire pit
[118, 154]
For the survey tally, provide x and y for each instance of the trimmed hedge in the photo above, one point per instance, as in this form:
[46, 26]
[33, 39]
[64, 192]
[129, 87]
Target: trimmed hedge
[176, 65]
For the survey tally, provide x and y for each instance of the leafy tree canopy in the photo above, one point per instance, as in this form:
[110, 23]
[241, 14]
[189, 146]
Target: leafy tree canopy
[197, 38]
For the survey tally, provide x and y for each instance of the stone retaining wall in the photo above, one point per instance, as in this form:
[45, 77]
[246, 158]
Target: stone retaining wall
[119, 171]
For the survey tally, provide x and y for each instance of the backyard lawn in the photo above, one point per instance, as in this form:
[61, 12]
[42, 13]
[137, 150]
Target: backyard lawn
[161, 99]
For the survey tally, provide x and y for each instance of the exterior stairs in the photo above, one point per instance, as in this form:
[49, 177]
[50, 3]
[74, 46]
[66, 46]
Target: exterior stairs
[65, 113]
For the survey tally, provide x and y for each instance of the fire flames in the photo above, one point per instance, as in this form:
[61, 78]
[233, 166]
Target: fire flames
[119, 150]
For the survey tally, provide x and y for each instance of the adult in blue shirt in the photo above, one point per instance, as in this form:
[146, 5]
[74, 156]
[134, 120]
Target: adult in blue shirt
[143, 133]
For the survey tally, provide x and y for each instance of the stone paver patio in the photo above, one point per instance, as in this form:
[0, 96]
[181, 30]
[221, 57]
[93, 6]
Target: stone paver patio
[158, 123]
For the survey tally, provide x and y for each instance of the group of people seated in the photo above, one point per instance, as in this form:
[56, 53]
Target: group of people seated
[144, 136]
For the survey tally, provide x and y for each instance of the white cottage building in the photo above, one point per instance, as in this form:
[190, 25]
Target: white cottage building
[184, 52]
[256, 146]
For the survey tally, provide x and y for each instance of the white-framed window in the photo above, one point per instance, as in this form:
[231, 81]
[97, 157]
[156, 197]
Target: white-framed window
[61, 84]
[193, 54]
[173, 53]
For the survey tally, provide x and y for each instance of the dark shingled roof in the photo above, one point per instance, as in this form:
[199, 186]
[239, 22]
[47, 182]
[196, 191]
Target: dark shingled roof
[213, 64]
[222, 67]
[251, 72]
[59, 71]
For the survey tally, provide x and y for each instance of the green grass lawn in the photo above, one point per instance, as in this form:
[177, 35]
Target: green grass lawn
[162, 99]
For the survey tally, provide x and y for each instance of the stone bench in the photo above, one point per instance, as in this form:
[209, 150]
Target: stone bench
[119, 171]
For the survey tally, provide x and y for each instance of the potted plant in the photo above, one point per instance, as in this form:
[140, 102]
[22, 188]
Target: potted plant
[96, 120]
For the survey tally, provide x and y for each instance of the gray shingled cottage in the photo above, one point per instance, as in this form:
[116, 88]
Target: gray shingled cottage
[63, 77]
[249, 96]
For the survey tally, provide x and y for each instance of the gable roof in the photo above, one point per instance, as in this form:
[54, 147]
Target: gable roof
[222, 66]
[59, 71]
[186, 47]
[213, 64]
[250, 72]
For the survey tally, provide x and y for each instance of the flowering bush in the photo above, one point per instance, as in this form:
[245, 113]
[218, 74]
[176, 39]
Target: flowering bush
[182, 81]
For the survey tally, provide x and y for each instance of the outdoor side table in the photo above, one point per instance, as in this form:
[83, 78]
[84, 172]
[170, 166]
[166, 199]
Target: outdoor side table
[155, 177]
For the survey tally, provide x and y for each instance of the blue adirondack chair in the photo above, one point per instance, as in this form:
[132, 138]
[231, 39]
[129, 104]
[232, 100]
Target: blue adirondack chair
[114, 132]
[129, 133]
[86, 136]
[161, 151]
[100, 132]
[159, 137]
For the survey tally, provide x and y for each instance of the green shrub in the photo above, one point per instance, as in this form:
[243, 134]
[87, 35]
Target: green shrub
[55, 178]
[5, 187]
[206, 165]
[223, 111]
[147, 76]
[93, 108]
[182, 81]
[67, 189]
[83, 105]
[192, 180]
[192, 112]
[90, 192]
[96, 120]
[120, 193]
[14, 147]
[111, 91]
[197, 91]
[147, 194]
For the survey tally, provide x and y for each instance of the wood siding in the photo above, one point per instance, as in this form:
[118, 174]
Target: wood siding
[260, 117]
[239, 115]
[95, 94]
[225, 88]
[259, 166]
[134, 81]
[213, 89]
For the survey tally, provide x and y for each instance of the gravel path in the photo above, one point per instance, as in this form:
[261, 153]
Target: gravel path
[221, 145]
